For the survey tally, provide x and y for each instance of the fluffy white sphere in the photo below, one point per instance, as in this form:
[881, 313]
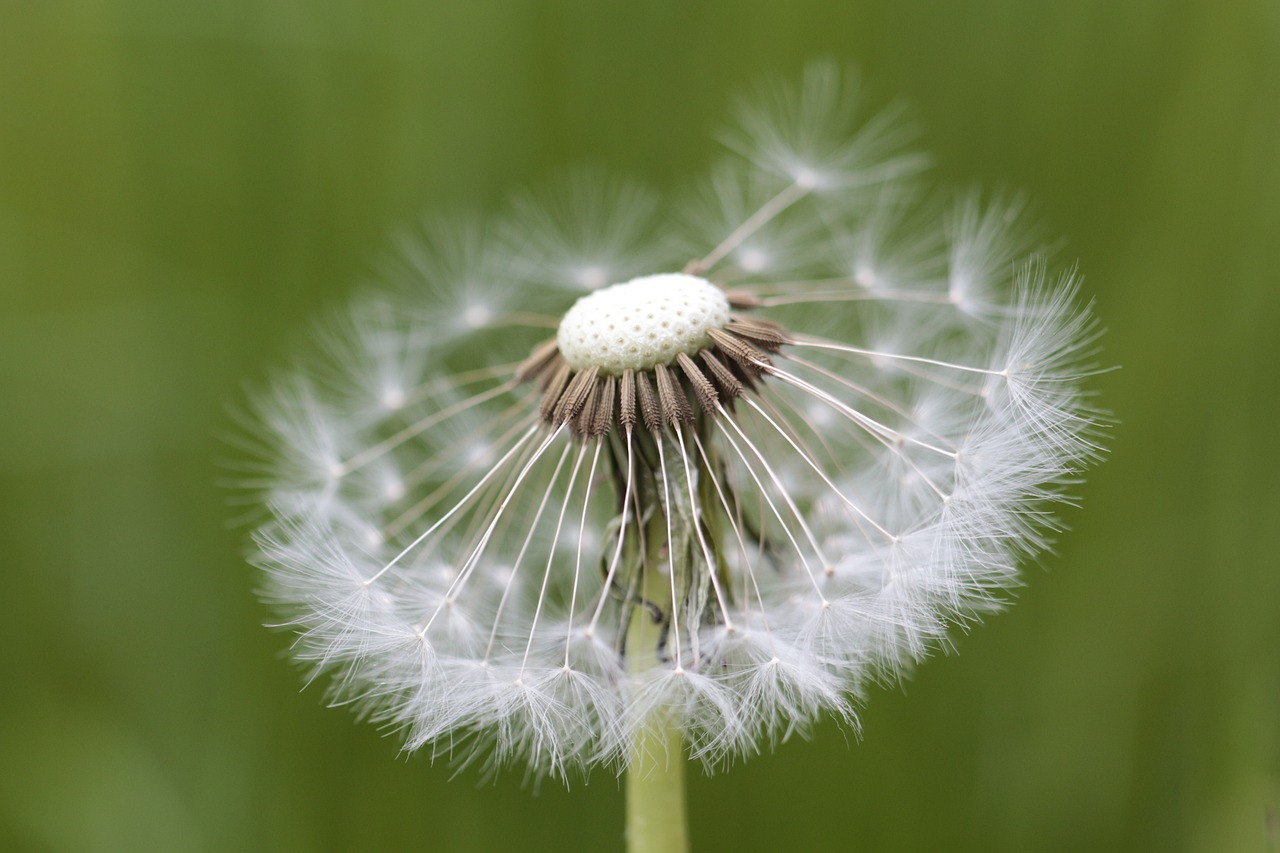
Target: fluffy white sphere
[507, 587]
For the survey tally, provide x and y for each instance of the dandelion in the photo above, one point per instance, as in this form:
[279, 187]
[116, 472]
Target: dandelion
[608, 480]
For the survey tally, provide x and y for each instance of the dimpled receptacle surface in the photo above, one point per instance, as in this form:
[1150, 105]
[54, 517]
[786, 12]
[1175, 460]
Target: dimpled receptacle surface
[642, 322]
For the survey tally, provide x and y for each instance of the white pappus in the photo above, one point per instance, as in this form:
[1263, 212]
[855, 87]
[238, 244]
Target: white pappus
[721, 462]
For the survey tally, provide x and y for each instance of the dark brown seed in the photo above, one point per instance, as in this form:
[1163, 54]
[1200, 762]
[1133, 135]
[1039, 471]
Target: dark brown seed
[627, 403]
[548, 373]
[760, 332]
[582, 421]
[649, 410]
[539, 362]
[575, 396]
[741, 299]
[751, 360]
[602, 418]
[730, 386]
[708, 399]
[555, 388]
[675, 405]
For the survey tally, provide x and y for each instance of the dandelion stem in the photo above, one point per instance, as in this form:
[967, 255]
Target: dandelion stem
[655, 790]
[656, 775]
[656, 821]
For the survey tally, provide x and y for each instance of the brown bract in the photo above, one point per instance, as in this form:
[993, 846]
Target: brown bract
[593, 403]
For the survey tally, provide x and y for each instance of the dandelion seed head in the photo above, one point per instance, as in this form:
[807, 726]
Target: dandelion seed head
[865, 275]
[477, 316]
[550, 491]
[591, 277]
[753, 259]
[393, 398]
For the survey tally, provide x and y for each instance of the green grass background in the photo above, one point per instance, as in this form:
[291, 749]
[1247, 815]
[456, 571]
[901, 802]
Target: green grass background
[183, 185]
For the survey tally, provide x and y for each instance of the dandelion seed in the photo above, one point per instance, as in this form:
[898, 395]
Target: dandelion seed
[784, 435]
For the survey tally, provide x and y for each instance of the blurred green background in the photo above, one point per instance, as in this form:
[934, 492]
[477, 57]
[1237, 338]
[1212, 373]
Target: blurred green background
[184, 184]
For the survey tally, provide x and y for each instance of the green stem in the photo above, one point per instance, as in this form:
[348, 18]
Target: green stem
[655, 793]
[656, 820]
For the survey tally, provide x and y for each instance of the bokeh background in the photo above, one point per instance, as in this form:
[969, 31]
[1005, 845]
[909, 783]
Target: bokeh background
[184, 184]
